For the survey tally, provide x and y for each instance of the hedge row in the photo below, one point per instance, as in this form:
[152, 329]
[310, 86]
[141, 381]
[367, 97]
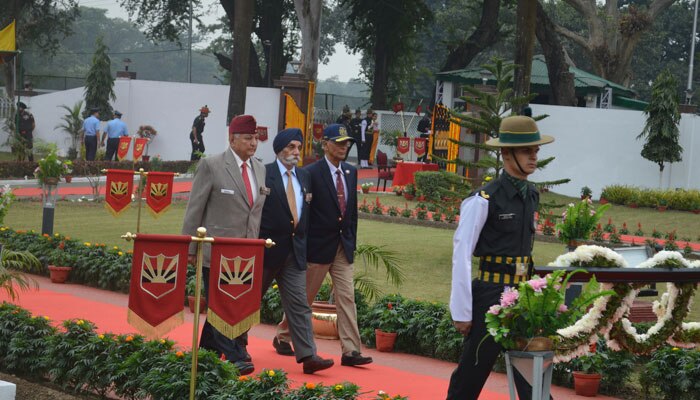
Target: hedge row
[20, 169]
[678, 199]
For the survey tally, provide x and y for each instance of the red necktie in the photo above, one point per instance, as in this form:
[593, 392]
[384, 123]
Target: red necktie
[246, 181]
[341, 191]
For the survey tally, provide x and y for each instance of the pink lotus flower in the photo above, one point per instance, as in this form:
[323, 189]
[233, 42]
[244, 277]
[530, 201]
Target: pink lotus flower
[509, 297]
[537, 284]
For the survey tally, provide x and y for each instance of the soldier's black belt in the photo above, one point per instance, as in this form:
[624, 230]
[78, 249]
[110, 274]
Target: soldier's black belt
[501, 278]
[503, 270]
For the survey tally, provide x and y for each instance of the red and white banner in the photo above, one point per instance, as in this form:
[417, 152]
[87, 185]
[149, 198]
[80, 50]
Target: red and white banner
[123, 149]
[159, 191]
[120, 184]
[139, 147]
[419, 146]
[262, 133]
[403, 145]
[235, 285]
[158, 280]
[318, 131]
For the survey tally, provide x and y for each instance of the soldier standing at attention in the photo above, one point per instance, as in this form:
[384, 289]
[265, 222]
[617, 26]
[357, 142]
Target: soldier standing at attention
[196, 134]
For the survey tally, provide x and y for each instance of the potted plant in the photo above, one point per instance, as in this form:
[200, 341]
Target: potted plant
[324, 314]
[390, 139]
[586, 193]
[662, 205]
[60, 265]
[190, 290]
[420, 196]
[409, 191]
[389, 322]
[398, 190]
[695, 206]
[366, 187]
[148, 132]
[50, 169]
[578, 222]
[72, 124]
[587, 371]
[632, 201]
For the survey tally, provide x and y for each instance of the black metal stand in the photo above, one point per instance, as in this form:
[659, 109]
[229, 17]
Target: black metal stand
[47, 221]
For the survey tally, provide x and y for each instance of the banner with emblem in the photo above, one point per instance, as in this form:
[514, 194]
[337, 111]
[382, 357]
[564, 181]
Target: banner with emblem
[318, 131]
[403, 145]
[120, 185]
[159, 192]
[123, 149]
[235, 280]
[262, 133]
[419, 146]
[139, 147]
[158, 280]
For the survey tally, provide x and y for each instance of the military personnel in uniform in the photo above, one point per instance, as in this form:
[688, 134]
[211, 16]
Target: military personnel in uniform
[26, 124]
[196, 134]
[497, 225]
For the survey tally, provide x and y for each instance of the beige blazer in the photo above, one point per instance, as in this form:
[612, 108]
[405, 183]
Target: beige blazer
[218, 200]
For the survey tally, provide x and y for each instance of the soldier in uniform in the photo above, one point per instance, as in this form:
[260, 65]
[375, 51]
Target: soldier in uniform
[196, 134]
[497, 225]
[26, 125]
[356, 131]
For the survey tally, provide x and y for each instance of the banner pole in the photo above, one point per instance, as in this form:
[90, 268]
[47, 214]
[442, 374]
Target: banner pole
[138, 202]
[200, 239]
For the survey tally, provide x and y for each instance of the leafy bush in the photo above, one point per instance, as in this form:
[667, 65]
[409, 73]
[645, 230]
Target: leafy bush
[673, 373]
[678, 199]
[442, 186]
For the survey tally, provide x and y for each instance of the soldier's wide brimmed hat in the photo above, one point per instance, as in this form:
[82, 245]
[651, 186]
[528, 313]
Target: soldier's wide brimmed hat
[519, 131]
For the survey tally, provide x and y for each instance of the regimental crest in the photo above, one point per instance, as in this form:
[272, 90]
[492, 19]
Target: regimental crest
[124, 145]
[419, 145]
[139, 146]
[403, 145]
[159, 274]
[236, 276]
[118, 188]
[159, 190]
[343, 131]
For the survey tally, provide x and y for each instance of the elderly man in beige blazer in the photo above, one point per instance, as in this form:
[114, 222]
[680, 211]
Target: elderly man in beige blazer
[227, 198]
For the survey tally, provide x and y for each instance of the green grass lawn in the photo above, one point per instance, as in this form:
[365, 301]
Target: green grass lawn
[426, 252]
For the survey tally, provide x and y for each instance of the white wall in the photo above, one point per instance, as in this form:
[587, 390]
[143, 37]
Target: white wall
[598, 147]
[170, 108]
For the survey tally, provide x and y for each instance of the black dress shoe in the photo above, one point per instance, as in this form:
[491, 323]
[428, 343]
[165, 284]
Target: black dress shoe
[316, 363]
[282, 348]
[354, 359]
[244, 368]
[246, 356]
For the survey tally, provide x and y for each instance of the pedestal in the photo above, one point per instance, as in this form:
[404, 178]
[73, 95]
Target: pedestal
[536, 367]
[49, 198]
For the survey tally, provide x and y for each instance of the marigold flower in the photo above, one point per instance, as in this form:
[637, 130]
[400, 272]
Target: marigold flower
[179, 354]
[271, 373]
[46, 317]
[100, 336]
[162, 341]
[80, 322]
[310, 386]
[56, 235]
[115, 248]
[389, 306]
[87, 244]
[45, 235]
[243, 378]
[275, 286]
[338, 388]
[675, 349]
[129, 338]
[120, 253]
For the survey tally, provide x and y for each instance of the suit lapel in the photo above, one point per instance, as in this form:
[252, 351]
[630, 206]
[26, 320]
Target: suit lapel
[235, 172]
[259, 172]
[330, 181]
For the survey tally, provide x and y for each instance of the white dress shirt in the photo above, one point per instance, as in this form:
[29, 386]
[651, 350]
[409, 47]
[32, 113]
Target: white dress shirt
[295, 184]
[472, 216]
[251, 175]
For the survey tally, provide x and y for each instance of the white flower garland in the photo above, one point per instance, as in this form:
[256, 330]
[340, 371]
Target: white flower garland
[586, 254]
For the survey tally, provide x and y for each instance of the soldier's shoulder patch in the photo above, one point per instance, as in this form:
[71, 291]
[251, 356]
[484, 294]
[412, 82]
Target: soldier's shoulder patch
[484, 195]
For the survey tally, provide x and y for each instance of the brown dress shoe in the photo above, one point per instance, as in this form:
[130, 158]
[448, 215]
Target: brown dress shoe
[354, 359]
[316, 363]
[282, 348]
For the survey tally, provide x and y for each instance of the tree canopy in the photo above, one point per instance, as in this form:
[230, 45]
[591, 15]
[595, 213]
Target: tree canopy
[99, 84]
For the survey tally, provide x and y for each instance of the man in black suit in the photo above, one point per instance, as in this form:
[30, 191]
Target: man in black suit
[333, 234]
[285, 220]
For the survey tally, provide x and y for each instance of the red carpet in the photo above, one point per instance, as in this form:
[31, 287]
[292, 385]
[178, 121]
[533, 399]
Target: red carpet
[68, 189]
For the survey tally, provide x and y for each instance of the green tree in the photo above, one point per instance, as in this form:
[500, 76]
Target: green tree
[386, 33]
[99, 84]
[661, 130]
[40, 23]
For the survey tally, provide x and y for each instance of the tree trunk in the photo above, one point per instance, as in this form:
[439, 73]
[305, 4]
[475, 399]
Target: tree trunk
[485, 35]
[381, 72]
[561, 81]
[524, 43]
[309, 15]
[243, 11]
[270, 33]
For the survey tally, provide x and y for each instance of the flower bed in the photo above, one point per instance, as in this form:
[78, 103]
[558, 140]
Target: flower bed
[678, 199]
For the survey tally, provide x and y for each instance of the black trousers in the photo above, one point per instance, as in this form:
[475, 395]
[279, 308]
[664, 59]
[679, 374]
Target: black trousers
[196, 147]
[424, 157]
[112, 146]
[211, 339]
[473, 369]
[27, 138]
[90, 147]
[366, 146]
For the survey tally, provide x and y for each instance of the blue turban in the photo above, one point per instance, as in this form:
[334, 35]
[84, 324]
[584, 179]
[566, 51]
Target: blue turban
[284, 137]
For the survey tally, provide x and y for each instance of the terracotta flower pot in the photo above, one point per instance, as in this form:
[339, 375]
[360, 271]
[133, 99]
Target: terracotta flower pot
[385, 340]
[696, 211]
[59, 274]
[661, 208]
[69, 178]
[145, 158]
[603, 201]
[365, 190]
[408, 196]
[586, 384]
[202, 304]
[324, 320]
[633, 205]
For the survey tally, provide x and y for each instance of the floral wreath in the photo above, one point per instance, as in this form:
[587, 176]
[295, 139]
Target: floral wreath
[606, 315]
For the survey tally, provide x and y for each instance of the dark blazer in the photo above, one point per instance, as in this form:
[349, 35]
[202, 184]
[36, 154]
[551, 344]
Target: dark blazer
[327, 227]
[277, 221]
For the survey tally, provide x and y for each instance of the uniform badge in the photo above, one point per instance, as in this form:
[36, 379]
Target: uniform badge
[264, 191]
[506, 217]
[484, 195]
[158, 274]
[308, 197]
[236, 276]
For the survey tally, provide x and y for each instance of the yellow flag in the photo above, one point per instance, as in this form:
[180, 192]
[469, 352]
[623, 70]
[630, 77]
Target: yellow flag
[7, 38]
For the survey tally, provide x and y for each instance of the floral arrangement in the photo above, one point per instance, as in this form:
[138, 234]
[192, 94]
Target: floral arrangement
[536, 308]
[52, 167]
[146, 131]
[579, 220]
[590, 256]
[6, 198]
[366, 185]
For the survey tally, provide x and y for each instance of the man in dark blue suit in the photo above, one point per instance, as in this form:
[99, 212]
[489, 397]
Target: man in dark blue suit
[285, 220]
[333, 234]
